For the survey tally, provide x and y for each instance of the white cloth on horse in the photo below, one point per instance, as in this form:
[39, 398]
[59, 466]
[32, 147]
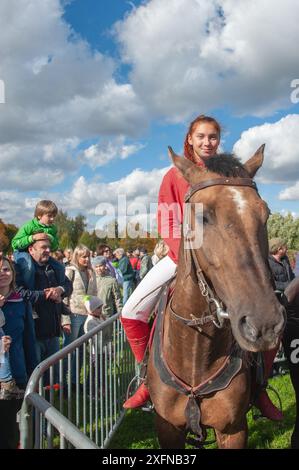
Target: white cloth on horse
[141, 303]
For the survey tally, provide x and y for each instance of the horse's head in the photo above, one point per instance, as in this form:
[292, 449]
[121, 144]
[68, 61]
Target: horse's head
[234, 250]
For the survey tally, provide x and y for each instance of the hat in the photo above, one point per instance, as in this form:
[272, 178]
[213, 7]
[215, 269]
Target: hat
[99, 261]
[275, 244]
[91, 303]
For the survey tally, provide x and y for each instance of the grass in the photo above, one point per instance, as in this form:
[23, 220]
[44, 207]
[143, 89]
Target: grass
[137, 430]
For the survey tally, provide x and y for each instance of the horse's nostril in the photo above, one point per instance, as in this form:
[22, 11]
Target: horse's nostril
[248, 330]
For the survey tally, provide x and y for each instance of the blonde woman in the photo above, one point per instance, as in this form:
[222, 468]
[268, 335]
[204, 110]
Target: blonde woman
[84, 283]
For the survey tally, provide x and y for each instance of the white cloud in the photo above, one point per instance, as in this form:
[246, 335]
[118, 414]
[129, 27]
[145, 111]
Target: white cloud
[192, 56]
[139, 187]
[281, 151]
[57, 90]
[56, 87]
[134, 196]
[290, 194]
[102, 153]
[14, 208]
[31, 167]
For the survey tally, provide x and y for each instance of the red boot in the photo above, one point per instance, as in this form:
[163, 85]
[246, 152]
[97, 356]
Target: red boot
[265, 405]
[137, 333]
[140, 397]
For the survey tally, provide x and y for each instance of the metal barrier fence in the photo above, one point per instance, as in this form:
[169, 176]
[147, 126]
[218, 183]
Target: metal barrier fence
[74, 398]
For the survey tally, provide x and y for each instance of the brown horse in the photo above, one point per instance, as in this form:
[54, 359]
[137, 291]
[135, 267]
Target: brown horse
[203, 380]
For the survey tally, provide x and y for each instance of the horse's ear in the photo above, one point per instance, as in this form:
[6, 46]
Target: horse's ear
[187, 168]
[254, 163]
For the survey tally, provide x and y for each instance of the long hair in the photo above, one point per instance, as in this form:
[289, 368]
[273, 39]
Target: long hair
[188, 149]
[79, 251]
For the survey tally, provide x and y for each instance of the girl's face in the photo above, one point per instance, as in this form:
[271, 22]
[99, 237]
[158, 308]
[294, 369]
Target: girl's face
[6, 274]
[205, 140]
[97, 312]
[83, 260]
[100, 269]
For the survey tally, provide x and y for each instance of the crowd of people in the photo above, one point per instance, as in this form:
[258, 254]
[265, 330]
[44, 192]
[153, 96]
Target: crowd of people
[46, 292]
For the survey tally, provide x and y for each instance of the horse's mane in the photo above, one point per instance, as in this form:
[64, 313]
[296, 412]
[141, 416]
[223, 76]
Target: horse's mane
[226, 164]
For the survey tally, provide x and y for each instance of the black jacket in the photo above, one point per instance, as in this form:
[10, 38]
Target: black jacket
[282, 272]
[48, 323]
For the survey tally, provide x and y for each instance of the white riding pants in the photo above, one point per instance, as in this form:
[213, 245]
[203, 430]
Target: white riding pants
[140, 304]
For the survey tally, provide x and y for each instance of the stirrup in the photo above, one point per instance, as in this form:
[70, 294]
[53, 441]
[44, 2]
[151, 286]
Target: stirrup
[139, 381]
[148, 408]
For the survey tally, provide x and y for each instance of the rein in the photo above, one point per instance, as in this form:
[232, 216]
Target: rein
[216, 315]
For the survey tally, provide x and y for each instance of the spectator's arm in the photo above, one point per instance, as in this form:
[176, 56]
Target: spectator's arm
[67, 285]
[143, 268]
[29, 295]
[117, 297]
[33, 296]
[23, 237]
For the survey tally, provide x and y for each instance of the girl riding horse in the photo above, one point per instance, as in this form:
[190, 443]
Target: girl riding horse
[201, 143]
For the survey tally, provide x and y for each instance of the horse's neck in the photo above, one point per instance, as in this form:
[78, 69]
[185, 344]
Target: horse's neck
[194, 355]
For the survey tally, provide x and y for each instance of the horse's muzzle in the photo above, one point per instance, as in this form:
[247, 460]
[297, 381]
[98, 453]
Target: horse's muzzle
[260, 335]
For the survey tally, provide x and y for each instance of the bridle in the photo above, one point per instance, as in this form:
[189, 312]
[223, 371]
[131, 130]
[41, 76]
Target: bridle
[217, 314]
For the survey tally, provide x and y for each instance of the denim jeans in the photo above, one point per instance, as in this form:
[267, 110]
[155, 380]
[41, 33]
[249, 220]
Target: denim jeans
[127, 290]
[44, 349]
[5, 371]
[77, 330]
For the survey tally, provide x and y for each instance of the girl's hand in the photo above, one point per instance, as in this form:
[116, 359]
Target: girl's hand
[2, 300]
[6, 340]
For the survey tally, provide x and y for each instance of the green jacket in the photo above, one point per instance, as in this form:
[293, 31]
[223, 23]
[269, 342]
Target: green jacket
[24, 236]
[126, 269]
[108, 291]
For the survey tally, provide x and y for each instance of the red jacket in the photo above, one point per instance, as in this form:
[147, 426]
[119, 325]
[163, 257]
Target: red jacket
[135, 262]
[172, 191]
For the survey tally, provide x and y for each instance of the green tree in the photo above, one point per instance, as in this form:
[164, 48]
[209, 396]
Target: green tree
[70, 229]
[285, 227]
[4, 240]
[63, 224]
[109, 234]
[86, 239]
[11, 230]
[65, 241]
[78, 227]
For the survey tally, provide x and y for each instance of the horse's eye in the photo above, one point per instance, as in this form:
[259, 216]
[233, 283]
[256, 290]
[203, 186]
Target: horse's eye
[205, 218]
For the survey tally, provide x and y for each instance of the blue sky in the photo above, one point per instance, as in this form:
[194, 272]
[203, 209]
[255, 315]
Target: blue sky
[95, 90]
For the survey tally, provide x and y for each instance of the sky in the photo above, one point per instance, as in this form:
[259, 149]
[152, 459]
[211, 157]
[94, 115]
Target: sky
[93, 91]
